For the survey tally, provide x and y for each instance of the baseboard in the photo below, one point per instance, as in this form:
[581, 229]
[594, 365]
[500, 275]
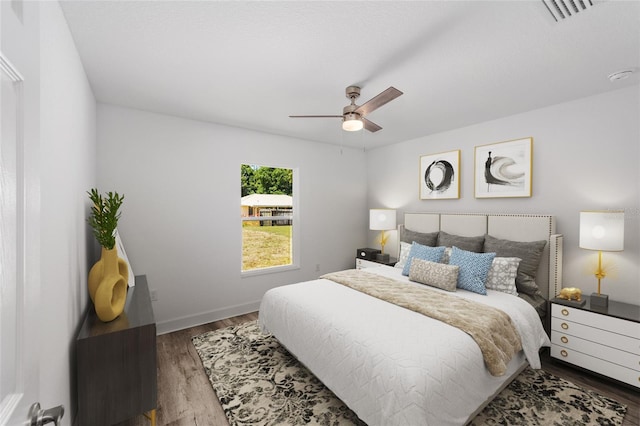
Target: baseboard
[181, 323]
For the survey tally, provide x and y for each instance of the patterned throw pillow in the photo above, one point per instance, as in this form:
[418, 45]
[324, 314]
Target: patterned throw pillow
[404, 254]
[473, 269]
[433, 254]
[434, 274]
[502, 275]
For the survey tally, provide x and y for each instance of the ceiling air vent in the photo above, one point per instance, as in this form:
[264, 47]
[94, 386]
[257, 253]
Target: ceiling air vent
[563, 9]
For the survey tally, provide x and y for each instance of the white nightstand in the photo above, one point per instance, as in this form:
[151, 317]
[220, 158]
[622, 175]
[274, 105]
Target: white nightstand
[365, 263]
[603, 340]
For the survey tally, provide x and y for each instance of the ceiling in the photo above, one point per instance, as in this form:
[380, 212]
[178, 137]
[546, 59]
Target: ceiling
[252, 64]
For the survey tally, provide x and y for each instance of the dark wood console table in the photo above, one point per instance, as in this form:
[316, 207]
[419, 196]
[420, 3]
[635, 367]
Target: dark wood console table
[117, 377]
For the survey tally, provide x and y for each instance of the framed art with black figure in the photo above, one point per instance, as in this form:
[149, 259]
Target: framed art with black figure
[504, 169]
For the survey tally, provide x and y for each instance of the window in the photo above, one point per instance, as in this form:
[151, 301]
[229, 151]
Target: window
[268, 219]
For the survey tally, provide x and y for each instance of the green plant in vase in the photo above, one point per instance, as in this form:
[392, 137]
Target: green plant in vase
[104, 216]
[108, 278]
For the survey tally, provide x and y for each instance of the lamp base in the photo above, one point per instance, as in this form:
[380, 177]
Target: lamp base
[382, 257]
[599, 300]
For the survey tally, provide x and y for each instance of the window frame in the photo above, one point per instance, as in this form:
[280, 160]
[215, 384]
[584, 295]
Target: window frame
[295, 227]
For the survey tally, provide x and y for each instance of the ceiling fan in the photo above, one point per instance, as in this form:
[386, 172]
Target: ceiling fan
[353, 116]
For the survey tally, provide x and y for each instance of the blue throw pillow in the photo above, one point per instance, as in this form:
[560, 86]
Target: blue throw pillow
[474, 268]
[432, 254]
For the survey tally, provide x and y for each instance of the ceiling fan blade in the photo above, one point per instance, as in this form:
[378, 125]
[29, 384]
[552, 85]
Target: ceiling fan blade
[377, 101]
[315, 116]
[370, 125]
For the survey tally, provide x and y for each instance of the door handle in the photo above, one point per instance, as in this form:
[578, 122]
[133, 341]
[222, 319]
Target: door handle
[40, 417]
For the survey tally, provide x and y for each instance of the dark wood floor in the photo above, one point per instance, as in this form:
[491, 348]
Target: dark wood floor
[185, 396]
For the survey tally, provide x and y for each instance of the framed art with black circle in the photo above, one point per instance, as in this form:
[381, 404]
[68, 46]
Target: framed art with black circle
[440, 176]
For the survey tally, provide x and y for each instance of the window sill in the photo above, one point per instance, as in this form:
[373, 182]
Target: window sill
[271, 270]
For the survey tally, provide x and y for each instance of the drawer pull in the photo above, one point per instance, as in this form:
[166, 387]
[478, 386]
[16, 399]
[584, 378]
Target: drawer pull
[564, 339]
[564, 326]
[565, 312]
[564, 353]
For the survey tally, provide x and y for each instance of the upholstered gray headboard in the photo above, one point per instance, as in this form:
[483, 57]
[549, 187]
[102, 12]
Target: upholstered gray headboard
[515, 227]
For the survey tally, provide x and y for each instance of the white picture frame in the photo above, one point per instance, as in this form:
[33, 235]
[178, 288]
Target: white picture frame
[439, 177]
[504, 169]
[123, 254]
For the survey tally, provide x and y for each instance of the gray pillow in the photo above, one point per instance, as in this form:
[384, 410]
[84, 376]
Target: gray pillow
[529, 252]
[424, 238]
[473, 244]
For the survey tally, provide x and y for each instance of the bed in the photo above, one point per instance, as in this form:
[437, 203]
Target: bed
[396, 366]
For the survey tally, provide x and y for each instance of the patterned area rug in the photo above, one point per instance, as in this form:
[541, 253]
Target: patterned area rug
[259, 383]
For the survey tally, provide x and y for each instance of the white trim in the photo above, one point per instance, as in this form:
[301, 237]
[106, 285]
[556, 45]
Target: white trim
[269, 270]
[12, 400]
[188, 321]
[7, 67]
[8, 405]
[295, 230]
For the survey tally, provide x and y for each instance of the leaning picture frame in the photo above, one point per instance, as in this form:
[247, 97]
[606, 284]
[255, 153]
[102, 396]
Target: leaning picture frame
[123, 254]
[440, 176]
[504, 169]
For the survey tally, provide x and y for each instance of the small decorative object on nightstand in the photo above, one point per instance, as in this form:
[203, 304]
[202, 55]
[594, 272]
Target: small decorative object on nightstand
[605, 340]
[571, 296]
[382, 220]
[602, 231]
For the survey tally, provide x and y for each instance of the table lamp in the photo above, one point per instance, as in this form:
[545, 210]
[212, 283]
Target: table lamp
[601, 231]
[382, 220]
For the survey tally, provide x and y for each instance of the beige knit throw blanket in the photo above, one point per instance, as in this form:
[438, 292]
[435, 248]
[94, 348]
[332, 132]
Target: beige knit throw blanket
[491, 328]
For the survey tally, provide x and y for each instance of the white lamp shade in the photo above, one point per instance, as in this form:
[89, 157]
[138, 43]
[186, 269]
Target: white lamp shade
[602, 230]
[382, 219]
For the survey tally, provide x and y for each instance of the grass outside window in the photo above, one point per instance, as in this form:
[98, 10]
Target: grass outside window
[265, 246]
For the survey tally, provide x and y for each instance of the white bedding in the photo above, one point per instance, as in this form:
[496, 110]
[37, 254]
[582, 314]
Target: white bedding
[390, 365]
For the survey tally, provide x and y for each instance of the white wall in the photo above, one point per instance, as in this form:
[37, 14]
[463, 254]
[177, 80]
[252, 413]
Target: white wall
[585, 157]
[180, 219]
[68, 170]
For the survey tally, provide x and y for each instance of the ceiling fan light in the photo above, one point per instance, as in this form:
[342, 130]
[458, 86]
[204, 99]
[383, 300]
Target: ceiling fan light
[352, 123]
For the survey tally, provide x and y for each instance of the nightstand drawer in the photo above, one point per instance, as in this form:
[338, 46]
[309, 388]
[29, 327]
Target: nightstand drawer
[609, 369]
[600, 321]
[593, 334]
[363, 263]
[366, 263]
[605, 353]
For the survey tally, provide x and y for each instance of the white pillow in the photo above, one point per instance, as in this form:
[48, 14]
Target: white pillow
[502, 275]
[405, 248]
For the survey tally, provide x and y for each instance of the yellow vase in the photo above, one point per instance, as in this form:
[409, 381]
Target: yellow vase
[107, 284]
[97, 271]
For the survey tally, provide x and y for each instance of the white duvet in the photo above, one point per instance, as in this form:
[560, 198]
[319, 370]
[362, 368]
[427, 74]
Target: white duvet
[390, 365]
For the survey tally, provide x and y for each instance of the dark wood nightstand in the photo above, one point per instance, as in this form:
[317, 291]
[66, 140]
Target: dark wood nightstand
[605, 340]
